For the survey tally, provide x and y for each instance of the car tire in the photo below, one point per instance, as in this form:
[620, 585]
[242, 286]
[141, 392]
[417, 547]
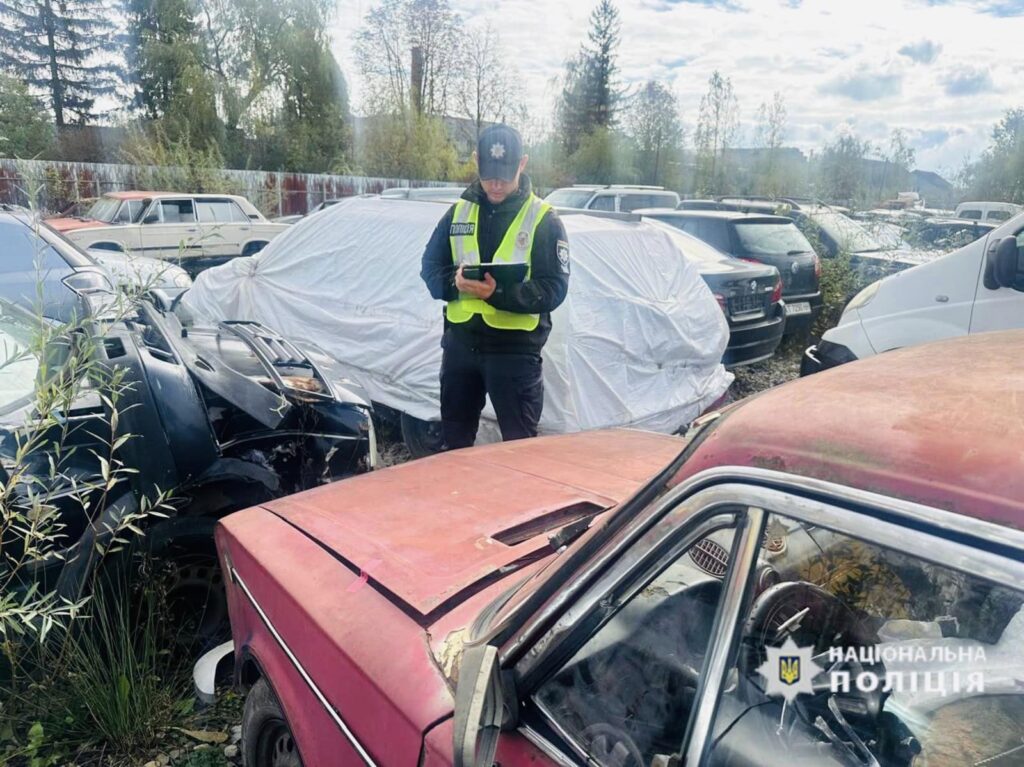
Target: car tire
[181, 553]
[423, 438]
[252, 248]
[267, 739]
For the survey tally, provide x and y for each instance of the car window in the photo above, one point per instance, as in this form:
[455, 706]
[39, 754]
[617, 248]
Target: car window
[715, 232]
[177, 211]
[845, 232]
[850, 648]
[771, 239]
[693, 246]
[219, 211]
[631, 202]
[104, 209]
[18, 365]
[603, 202]
[627, 695]
[25, 251]
[969, 214]
[569, 198]
[998, 215]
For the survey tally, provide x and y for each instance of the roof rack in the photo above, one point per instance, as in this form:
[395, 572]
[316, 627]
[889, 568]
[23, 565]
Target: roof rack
[612, 214]
[618, 186]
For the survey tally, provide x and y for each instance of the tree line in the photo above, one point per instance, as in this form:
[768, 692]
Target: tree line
[254, 84]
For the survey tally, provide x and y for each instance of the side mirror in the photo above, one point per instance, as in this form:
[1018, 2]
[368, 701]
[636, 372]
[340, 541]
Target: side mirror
[152, 218]
[1004, 265]
[480, 707]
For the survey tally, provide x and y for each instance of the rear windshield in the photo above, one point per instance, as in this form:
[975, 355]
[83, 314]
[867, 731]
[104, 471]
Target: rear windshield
[771, 239]
[569, 198]
[630, 202]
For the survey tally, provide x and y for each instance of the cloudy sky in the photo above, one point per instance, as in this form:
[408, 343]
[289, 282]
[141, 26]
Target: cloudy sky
[944, 71]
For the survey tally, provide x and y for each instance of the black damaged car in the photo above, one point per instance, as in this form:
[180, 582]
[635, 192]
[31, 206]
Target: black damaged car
[224, 417]
[750, 295]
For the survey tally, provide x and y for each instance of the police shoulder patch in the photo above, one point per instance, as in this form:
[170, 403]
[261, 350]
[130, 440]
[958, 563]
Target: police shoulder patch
[562, 249]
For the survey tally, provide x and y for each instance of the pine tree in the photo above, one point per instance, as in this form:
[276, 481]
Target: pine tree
[590, 97]
[61, 48]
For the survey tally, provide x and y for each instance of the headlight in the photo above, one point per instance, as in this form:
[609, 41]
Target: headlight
[864, 297]
[182, 280]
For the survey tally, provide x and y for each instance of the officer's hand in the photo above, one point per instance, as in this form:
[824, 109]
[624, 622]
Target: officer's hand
[477, 288]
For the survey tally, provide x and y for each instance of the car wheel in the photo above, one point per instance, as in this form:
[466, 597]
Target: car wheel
[177, 558]
[252, 248]
[423, 438]
[266, 738]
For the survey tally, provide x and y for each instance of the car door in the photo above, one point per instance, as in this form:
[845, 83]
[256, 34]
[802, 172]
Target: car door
[997, 308]
[170, 230]
[224, 228]
[765, 625]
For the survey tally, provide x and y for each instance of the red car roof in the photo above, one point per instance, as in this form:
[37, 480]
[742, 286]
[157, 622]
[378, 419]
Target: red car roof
[940, 424]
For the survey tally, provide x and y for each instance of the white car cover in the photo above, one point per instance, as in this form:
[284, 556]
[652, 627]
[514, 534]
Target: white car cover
[637, 342]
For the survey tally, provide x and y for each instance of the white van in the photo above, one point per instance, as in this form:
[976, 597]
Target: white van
[987, 211]
[978, 288]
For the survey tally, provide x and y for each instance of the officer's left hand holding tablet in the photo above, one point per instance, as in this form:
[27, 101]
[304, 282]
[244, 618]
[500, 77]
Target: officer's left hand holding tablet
[477, 288]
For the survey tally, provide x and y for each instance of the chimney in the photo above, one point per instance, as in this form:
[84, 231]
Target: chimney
[416, 76]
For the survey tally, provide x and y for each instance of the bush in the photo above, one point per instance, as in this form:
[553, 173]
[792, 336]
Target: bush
[73, 669]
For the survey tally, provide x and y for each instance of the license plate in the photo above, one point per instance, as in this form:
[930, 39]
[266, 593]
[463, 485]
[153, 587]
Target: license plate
[801, 307]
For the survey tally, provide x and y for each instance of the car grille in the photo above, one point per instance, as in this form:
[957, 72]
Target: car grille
[753, 302]
[710, 557]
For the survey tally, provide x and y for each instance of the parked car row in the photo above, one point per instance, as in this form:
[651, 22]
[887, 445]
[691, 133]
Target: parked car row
[193, 230]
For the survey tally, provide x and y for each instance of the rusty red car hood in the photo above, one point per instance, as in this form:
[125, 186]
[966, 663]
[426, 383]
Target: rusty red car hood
[63, 225]
[433, 532]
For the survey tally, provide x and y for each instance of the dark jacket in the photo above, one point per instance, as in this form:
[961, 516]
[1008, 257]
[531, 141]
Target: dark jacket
[541, 294]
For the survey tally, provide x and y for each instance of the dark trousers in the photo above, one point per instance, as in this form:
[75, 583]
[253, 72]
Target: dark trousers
[512, 381]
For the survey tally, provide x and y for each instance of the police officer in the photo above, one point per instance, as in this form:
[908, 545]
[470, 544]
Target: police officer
[494, 332]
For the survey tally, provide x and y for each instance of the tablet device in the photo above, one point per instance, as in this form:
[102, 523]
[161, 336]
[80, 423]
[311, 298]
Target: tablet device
[503, 274]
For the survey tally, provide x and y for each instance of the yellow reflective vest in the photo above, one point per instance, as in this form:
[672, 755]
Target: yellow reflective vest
[516, 247]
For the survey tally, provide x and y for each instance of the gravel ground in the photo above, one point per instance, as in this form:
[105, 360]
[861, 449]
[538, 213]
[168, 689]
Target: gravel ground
[783, 367]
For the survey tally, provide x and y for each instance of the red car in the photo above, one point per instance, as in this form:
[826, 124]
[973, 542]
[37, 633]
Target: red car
[829, 573]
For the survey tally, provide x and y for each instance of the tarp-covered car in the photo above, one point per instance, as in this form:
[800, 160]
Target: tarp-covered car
[637, 342]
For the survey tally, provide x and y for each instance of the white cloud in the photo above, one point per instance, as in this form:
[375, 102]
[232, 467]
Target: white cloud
[868, 64]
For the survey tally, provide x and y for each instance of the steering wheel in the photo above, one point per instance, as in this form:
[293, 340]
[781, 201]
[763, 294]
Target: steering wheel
[810, 615]
[611, 746]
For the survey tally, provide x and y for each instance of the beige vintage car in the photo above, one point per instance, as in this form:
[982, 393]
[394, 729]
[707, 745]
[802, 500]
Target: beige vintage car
[195, 230]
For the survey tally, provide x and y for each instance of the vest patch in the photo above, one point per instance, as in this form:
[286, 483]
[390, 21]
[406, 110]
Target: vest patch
[461, 230]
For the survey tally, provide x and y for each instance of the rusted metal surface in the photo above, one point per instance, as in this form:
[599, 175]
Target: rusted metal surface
[940, 424]
[54, 186]
[432, 524]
